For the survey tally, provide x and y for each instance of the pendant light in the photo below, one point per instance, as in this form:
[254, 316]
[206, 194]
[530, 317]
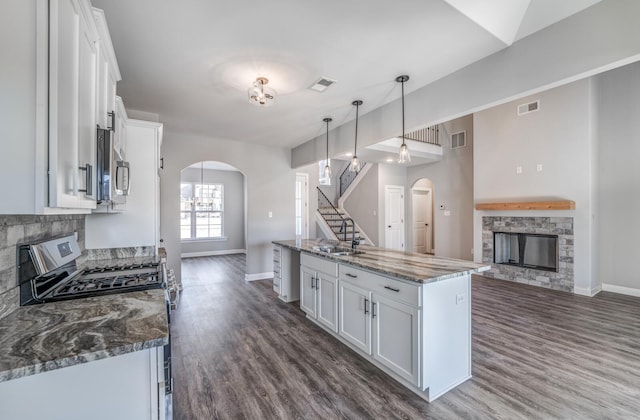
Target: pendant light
[403, 156]
[355, 162]
[327, 167]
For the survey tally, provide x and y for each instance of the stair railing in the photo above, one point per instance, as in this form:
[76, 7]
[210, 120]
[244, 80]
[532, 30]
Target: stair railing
[347, 177]
[325, 203]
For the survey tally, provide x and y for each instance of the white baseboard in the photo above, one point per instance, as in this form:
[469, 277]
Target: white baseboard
[212, 253]
[630, 291]
[583, 291]
[258, 276]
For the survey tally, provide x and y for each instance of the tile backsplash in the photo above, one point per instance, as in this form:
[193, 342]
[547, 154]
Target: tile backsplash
[15, 229]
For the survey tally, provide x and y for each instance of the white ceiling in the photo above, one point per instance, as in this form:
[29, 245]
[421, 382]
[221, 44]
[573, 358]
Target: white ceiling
[191, 61]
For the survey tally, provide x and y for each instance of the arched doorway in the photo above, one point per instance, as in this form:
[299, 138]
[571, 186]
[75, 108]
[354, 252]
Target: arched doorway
[422, 228]
[212, 210]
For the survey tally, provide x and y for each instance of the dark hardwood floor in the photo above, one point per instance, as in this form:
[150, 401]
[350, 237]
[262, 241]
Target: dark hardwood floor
[239, 352]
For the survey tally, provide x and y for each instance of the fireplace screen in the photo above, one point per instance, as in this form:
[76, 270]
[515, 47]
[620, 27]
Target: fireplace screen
[526, 250]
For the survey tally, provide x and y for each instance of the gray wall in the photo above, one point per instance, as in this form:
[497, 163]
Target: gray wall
[233, 216]
[561, 137]
[597, 39]
[452, 179]
[619, 177]
[270, 187]
[363, 202]
[19, 229]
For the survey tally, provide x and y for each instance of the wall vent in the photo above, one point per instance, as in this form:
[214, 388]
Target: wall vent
[528, 108]
[322, 84]
[458, 139]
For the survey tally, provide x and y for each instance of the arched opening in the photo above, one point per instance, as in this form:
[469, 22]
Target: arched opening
[422, 227]
[212, 210]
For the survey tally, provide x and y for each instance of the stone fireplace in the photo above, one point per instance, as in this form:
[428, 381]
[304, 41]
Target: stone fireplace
[530, 250]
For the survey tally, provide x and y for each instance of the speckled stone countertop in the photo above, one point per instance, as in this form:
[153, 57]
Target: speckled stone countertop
[420, 268]
[39, 338]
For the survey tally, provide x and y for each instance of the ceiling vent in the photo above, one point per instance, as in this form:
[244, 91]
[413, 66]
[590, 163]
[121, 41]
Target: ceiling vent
[458, 139]
[528, 108]
[322, 84]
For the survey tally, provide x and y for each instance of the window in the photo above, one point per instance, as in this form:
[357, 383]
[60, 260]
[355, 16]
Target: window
[201, 210]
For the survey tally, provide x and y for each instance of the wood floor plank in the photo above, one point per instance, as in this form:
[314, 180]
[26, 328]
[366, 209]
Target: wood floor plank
[239, 352]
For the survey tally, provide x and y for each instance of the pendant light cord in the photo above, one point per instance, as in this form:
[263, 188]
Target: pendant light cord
[403, 112]
[355, 145]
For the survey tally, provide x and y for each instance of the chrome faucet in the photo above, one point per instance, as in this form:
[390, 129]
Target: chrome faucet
[343, 227]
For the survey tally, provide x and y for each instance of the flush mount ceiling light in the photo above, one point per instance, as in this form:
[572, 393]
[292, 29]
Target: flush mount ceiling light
[327, 167]
[355, 162]
[260, 94]
[403, 156]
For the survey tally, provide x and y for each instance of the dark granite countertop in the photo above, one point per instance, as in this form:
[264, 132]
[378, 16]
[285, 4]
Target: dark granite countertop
[420, 268]
[39, 338]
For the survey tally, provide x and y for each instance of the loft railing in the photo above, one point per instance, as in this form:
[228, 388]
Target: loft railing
[429, 135]
[325, 203]
[347, 177]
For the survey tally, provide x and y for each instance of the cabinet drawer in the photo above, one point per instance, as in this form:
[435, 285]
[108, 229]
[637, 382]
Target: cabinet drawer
[382, 285]
[319, 264]
[277, 254]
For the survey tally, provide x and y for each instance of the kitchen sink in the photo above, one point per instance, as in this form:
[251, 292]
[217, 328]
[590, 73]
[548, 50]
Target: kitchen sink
[336, 250]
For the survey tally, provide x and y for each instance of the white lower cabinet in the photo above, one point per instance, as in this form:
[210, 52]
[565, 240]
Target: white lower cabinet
[384, 328]
[319, 290]
[286, 271]
[129, 386]
[355, 319]
[396, 332]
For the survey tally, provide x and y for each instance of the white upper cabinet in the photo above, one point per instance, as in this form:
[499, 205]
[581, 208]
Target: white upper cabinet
[108, 74]
[63, 73]
[72, 99]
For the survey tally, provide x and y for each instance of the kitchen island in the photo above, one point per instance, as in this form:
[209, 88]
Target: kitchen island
[408, 314]
[96, 357]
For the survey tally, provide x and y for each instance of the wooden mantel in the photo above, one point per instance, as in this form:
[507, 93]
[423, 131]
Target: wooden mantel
[529, 205]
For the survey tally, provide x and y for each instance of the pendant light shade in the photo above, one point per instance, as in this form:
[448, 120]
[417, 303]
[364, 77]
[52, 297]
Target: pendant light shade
[327, 167]
[404, 156]
[355, 162]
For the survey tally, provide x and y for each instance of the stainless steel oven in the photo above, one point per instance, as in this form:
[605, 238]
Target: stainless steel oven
[47, 272]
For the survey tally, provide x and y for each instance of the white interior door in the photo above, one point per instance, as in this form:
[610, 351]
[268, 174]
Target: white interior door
[422, 221]
[302, 206]
[394, 217]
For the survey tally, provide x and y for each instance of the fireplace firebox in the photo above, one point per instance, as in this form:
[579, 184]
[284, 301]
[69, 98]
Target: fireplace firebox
[528, 250]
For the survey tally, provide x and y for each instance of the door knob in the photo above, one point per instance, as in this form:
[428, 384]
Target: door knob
[389, 226]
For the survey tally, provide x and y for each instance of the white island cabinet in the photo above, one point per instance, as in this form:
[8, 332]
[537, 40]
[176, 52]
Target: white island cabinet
[417, 332]
[319, 290]
[129, 386]
[286, 273]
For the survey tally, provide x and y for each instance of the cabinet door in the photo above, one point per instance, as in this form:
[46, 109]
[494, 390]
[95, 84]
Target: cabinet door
[72, 85]
[327, 293]
[308, 291]
[87, 61]
[396, 336]
[355, 320]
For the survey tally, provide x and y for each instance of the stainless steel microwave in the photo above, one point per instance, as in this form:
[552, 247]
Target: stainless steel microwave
[113, 175]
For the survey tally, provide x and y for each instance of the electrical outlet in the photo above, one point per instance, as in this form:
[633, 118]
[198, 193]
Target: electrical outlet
[518, 169]
[447, 213]
[270, 214]
[539, 167]
[459, 299]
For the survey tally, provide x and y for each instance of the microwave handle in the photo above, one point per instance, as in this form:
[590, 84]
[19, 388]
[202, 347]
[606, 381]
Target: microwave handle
[125, 190]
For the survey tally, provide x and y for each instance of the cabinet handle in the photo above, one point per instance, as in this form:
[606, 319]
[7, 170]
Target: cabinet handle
[112, 115]
[366, 303]
[353, 276]
[391, 288]
[312, 280]
[161, 163]
[373, 309]
[88, 177]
